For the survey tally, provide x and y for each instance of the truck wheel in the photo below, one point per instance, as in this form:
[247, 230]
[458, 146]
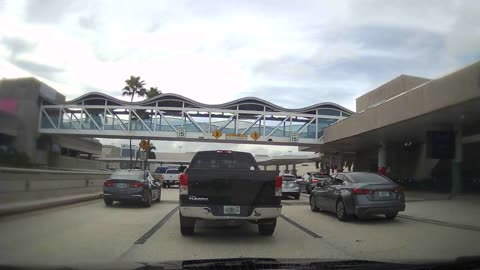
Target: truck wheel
[164, 185]
[267, 228]
[187, 225]
[159, 195]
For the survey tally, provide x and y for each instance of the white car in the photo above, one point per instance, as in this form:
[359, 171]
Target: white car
[290, 186]
[170, 177]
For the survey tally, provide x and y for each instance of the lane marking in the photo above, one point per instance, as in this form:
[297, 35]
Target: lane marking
[305, 230]
[442, 223]
[155, 228]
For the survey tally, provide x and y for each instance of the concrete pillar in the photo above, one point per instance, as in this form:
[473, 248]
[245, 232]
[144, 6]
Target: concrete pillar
[264, 167]
[294, 169]
[277, 168]
[382, 158]
[457, 163]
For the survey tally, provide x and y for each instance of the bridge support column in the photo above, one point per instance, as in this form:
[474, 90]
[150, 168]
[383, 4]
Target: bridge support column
[294, 169]
[264, 167]
[277, 168]
[382, 158]
[457, 163]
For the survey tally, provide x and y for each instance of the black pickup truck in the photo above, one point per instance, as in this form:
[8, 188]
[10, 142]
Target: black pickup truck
[229, 185]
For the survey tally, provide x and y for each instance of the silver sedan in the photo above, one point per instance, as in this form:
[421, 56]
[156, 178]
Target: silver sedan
[358, 194]
[290, 186]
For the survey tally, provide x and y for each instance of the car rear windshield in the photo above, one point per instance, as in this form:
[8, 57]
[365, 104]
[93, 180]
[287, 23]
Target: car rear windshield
[223, 160]
[288, 178]
[172, 172]
[127, 175]
[368, 178]
[317, 175]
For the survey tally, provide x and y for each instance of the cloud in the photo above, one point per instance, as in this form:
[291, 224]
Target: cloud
[41, 11]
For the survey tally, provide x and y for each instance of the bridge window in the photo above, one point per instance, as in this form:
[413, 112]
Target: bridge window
[328, 112]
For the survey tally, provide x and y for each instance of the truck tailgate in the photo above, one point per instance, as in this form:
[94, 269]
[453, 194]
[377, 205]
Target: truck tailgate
[231, 187]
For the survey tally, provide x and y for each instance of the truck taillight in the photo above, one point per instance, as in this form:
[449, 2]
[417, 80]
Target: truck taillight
[278, 186]
[183, 179]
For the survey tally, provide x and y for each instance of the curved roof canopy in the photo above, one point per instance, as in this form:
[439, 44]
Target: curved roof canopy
[174, 100]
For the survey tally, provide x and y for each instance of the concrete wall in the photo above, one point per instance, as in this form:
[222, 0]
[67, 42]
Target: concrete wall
[388, 90]
[77, 163]
[26, 184]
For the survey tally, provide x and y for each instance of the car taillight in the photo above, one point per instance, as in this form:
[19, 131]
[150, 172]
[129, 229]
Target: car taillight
[278, 186]
[362, 191]
[108, 183]
[314, 180]
[183, 179]
[399, 189]
[136, 184]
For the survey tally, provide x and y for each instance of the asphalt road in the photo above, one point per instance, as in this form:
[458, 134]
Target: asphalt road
[89, 232]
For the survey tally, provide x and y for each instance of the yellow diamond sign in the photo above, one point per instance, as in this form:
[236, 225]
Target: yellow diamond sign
[217, 133]
[255, 135]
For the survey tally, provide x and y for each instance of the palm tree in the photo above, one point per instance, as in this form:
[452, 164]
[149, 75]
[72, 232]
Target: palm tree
[134, 86]
[152, 92]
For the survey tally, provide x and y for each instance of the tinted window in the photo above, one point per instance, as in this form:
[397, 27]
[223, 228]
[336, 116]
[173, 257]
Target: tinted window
[127, 175]
[368, 178]
[288, 178]
[318, 175]
[223, 160]
[172, 171]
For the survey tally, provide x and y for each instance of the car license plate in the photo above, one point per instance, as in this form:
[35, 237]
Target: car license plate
[121, 185]
[231, 210]
[383, 194]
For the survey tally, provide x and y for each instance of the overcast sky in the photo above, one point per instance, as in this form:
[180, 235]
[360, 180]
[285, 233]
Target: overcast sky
[293, 53]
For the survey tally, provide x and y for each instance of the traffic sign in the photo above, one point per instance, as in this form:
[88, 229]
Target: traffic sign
[255, 135]
[217, 133]
[294, 137]
[181, 132]
[144, 144]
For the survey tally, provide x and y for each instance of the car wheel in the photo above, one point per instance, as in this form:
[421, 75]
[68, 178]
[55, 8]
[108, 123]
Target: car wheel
[313, 206]
[148, 199]
[164, 185]
[297, 197]
[267, 228]
[391, 215]
[187, 225]
[308, 189]
[341, 212]
[108, 202]
[159, 195]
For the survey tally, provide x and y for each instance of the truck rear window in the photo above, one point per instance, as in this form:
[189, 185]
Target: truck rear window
[214, 160]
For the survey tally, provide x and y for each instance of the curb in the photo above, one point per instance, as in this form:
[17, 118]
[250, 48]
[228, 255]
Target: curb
[33, 206]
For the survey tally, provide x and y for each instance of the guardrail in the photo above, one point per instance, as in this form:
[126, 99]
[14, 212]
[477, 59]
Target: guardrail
[19, 184]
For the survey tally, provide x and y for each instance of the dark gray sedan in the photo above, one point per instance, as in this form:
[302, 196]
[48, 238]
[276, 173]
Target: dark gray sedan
[131, 185]
[358, 194]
